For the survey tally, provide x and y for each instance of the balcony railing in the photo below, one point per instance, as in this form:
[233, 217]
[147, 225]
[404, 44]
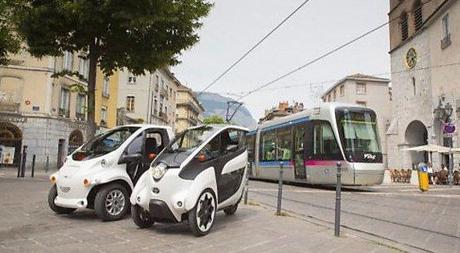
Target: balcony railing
[103, 123]
[64, 112]
[80, 116]
[163, 116]
[164, 92]
[9, 107]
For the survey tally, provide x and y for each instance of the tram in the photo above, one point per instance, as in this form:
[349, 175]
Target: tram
[309, 144]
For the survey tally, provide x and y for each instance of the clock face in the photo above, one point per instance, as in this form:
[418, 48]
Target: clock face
[411, 58]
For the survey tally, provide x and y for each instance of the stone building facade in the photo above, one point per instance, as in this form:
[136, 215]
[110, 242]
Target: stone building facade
[425, 66]
[149, 98]
[40, 111]
[188, 109]
[370, 91]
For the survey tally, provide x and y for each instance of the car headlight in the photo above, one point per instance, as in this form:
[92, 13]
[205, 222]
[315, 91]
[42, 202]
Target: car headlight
[159, 171]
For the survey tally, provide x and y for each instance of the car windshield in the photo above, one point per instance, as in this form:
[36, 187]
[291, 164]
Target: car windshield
[104, 143]
[183, 145]
[359, 135]
[190, 139]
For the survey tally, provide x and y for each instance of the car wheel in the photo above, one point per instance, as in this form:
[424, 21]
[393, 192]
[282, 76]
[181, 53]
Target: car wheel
[57, 209]
[201, 217]
[111, 202]
[231, 209]
[141, 217]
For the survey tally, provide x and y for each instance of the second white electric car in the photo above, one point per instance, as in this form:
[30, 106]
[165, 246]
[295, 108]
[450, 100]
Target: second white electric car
[201, 172]
[102, 173]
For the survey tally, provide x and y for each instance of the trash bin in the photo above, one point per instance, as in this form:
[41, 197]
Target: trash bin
[423, 181]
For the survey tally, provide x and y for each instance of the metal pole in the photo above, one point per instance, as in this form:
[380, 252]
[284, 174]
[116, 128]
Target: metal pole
[33, 166]
[24, 159]
[338, 192]
[246, 188]
[280, 190]
[47, 165]
[20, 164]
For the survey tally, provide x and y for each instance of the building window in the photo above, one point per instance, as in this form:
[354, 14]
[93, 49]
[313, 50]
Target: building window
[418, 15]
[329, 98]
[131, 78]
[342, 90]
[83, 68]
[81, 107]
[404, 26]
[105, 87]
[64, 103]
[363, 103]
[67, 61]
[130, 103]
[414, 86]
[334, 95]
[104, 116]
[360, 88]
[445, 42]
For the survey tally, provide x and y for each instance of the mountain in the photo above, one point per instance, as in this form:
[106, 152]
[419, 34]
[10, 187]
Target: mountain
[215, 104]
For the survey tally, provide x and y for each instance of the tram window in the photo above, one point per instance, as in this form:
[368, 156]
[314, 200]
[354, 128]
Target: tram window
[268, 146]
[284, 144]
[324, 143]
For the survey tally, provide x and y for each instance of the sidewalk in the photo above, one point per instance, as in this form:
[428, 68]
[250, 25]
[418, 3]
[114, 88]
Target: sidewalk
[27, 225]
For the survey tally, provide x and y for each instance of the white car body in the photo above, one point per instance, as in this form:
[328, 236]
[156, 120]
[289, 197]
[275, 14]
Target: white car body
[180, 194]
[72, 192]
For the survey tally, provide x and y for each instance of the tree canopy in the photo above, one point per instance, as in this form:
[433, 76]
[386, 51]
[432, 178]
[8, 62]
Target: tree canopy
[9, 39]
[213, 119]
[140, 35]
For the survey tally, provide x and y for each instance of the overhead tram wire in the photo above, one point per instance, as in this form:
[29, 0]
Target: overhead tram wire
[322, 83]
[323, 55]
[254, 47]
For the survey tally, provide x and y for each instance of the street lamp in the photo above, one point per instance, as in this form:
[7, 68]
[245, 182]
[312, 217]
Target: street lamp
[444, 112]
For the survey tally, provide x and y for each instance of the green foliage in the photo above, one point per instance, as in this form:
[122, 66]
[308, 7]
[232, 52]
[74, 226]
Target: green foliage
[9, 40]
[214, 119]
[138, 35]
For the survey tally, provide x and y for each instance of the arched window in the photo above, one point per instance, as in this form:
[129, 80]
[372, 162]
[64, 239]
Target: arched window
[418, 15]
[404, 26]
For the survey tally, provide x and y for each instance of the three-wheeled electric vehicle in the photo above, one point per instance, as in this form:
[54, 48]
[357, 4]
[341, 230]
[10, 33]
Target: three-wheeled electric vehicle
[201, 172]
[102, 173]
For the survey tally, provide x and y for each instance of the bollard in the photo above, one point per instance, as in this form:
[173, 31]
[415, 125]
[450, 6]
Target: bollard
[24, 159]
[47, 165]
[33, 166]
[20, 164]
[280, 190]
[338, 190]
[246, 188]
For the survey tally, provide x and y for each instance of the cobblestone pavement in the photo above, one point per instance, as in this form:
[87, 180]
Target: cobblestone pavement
[401, 214]
[27, 225]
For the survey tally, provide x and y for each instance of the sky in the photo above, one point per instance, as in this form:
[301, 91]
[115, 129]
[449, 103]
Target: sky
[234, 26]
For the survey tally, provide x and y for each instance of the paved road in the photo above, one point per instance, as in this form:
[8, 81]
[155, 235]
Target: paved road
[27, 225]
[427, 221]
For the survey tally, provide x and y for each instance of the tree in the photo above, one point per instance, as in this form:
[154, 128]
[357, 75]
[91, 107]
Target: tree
[213, 119]
[9, 40]
[140, 35]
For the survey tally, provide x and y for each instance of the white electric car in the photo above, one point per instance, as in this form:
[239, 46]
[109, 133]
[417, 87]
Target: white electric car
[201, 172]
[102, 173]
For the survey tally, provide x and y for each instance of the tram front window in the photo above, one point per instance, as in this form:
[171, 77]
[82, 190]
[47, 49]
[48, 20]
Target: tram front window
[359, 135]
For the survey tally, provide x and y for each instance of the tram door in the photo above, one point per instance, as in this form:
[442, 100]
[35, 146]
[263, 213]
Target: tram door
[299, 164]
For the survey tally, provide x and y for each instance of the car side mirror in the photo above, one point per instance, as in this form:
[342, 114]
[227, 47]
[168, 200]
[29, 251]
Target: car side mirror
[125, 158]
[231, 148]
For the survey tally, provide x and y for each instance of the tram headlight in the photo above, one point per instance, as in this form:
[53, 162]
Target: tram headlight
[158, 171]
